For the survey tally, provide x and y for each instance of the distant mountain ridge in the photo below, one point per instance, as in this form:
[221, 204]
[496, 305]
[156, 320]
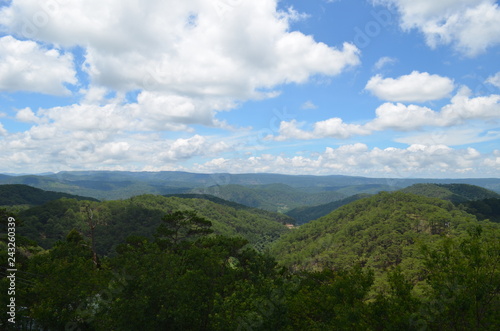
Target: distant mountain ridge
[110, 185]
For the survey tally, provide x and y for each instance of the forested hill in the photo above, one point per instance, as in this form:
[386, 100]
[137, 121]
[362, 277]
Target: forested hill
[17, 194]
[393, 261]
[235, 205]
[378, 232]
[141, 215]
[485, 209]
[272, 197]
[308, 213]
[486, 206]
[455, 193]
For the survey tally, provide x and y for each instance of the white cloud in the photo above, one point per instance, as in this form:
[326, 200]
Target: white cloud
[308, 105]
[414, 161]
[196, 145]
[291, 130]
[415, 87]
[471, 26]
[330, 128]
[3, 132]
[451, 137]
[494, 160]
[27, 66]
[463, 108]
[291, 15]
[460, 110]
[400, 117]
[47, 148]
[383, 61]
[26, 115]
[336, 128]
[186, 61]
[188, 48]
[494, 80]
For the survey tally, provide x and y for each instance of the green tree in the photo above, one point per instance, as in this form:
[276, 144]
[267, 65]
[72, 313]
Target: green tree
[331, 300]
[463, 278]
[180, 226]
[397, 308]
[67, 283]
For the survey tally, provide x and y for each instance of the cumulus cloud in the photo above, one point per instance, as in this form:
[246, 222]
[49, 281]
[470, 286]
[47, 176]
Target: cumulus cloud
[416, 160]
[451, 137]
[184, 61]
[336, 128]
[330, 128]
[27, 66]
[3, 132]
[383, 61]
[460, 110]
[401, 117]
[494, 80]
[152, 112]
[46, 148]
[189, 48]
[196, 145]
[415, 87]
[27, 115]
[471, 26]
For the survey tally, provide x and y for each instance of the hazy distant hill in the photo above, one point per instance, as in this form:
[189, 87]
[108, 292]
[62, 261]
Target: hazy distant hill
[379, 232]
[271, 197]
[109, 185]
[305, 214]
[455, 193]
[17, 194]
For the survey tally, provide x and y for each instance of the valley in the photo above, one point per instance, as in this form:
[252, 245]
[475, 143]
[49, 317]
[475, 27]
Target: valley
[317, 253]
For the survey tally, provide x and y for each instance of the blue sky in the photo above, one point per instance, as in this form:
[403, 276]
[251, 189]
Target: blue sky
[377, 88]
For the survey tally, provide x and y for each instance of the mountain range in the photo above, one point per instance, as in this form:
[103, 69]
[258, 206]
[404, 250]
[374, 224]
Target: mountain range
[273, 192]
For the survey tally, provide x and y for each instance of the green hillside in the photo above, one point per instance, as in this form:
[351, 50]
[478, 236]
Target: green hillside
[377, 232]
[271, 197]
[308, 213]
[455, 193]
[393, 261]
[235, 205]
[17, 194]
[486, 209]
[141, 216]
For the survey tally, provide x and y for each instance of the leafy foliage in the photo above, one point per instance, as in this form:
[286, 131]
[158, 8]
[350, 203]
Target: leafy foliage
[463, 282]
[181, 226]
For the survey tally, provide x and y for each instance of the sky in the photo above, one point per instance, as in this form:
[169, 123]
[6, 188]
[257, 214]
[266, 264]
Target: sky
[374, 88]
